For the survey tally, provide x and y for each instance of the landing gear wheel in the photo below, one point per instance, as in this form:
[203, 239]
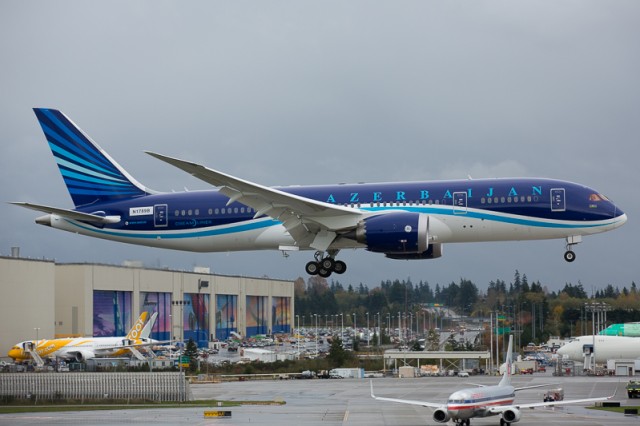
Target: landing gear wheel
[312, 268]
[340, 267]
[328, 264]
[324, 273]
[569, 256]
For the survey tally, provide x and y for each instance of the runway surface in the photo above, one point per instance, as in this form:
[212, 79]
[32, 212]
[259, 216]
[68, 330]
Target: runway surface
[348, 402]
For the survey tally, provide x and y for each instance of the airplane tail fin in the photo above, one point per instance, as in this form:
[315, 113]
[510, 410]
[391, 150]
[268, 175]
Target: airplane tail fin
[148, 327]
[506, 377]
[137, 329]
[90, 174]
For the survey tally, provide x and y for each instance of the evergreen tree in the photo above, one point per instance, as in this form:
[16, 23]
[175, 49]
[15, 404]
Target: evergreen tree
[337, 355]
[191, 351]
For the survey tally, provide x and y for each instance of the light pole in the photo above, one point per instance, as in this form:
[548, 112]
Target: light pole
[342, 327]
[355, 332]
[298, 335]
[37, 329]
[368, 331]
[181, 304]
[316, 315]
[389, 325]
[379, 330]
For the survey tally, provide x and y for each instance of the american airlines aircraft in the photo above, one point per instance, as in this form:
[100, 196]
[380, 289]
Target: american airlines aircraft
[485, 401]
[84, 348]
[403, 220]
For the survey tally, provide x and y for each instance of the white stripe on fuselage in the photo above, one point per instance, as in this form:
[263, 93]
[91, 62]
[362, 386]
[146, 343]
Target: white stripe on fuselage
[476, 225]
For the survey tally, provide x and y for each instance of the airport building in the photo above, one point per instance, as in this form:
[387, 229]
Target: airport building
[43, 299]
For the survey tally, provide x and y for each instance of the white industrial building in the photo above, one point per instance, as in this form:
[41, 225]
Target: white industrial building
[43, 299]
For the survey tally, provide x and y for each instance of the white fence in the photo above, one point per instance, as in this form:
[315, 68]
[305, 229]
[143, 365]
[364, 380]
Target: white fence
[81, 386]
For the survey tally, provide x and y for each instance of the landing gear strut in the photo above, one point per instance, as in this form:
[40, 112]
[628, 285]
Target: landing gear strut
[325, 265]
[569, 255]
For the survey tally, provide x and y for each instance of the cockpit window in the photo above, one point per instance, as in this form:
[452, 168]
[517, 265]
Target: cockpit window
[597, 197]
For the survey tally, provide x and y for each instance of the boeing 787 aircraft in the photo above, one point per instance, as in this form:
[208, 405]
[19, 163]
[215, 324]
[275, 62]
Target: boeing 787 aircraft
[403, 220]
[485, 401]
[84, 348]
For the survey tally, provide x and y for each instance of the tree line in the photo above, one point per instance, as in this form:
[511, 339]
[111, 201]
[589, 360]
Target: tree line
[526, 306]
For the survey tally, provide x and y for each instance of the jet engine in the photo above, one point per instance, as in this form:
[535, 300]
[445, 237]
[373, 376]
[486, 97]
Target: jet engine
[394, 233]
[81, 356]
[512, 415]
[441, 415]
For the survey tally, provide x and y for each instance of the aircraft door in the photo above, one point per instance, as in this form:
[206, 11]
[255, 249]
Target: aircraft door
[160, 215]
[459, 203]
[558, 201]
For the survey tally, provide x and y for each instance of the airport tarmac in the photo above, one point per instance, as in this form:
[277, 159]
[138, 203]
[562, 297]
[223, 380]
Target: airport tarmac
[348, 402]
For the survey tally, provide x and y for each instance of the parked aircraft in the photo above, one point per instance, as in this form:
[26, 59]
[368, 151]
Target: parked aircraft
[403, 220]
[84, 348]
[629, 329]
[485, 401]
[605, 348]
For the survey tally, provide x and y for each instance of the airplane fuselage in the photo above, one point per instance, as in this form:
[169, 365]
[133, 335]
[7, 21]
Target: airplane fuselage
[475, 402]
[75, 348]
[459, 211]
[606, 348]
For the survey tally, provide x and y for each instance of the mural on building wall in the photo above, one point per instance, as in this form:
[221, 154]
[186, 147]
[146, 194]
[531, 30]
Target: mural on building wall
[111, 313]
[161, 303]
[196, 318]
[257, 312]
[280, 311]
[226, 315]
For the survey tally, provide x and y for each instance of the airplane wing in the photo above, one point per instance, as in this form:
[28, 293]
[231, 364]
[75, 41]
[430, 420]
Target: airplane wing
[405, 401]
[503, 408]
[531, 387]
[70, 214]
[311, 223]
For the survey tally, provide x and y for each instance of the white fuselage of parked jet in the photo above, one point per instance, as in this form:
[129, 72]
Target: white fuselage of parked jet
[605, 348]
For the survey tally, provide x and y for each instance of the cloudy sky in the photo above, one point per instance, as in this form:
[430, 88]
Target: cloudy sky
[326, 92]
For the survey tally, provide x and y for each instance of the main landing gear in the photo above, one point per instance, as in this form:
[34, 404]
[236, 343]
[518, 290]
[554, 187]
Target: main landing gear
[325, 265]
[463, 422]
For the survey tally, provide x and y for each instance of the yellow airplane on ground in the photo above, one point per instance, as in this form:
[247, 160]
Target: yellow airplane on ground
[83, 348]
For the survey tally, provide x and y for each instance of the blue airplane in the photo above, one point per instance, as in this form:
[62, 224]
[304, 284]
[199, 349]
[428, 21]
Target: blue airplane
[402, 220]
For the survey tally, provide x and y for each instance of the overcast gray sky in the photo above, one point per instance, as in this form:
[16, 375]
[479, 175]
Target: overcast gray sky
[301, 92]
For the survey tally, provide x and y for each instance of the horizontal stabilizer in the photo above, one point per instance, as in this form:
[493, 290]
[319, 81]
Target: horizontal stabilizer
[70, 214]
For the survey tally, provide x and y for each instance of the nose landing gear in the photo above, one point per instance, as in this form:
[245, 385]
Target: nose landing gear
[325, 265]
[569, 255]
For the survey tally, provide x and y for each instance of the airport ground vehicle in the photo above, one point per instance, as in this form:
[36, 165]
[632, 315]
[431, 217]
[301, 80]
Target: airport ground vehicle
[556, 394]
[633, 388]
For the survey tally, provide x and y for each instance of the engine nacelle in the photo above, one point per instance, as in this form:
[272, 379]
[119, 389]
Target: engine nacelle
[512, 415]
[434, 251]
[81, 356]
[395, 233]
[441, 415]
